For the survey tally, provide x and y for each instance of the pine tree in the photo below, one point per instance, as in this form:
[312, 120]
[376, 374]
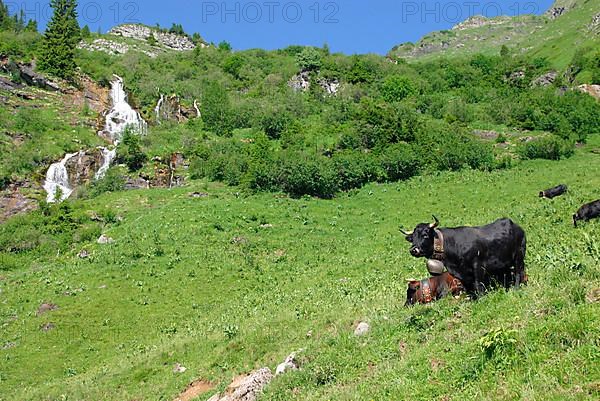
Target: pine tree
[60, 40]
[85, 32]
[6, 22]
[31, 26]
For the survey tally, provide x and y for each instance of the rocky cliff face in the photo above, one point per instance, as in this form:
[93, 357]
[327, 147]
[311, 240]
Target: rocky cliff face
[169, 108]
[477, 21]
[141, 32]
[114, 48]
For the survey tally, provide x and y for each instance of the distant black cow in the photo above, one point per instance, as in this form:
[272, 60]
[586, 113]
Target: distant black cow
[432, 289]
[480, 257]
[587, 212]
[554, 192]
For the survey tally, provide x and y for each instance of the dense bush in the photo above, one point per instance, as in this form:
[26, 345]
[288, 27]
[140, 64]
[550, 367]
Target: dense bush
[112, 181]
[549, 147]
[355, 169]
[130, 152]
[400, 162]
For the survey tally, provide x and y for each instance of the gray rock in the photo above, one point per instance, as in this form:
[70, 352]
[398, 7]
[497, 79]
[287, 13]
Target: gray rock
[556, 12]
[362, 329]
[45, 308]
[595, 24]
[300, 82]
[103, 240]
[140, 32]
[290, 363]
[136, 183]
[546, 79]
[246, 388]
[179, 368]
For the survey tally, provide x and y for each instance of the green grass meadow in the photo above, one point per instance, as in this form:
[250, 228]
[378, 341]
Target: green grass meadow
[232, 282]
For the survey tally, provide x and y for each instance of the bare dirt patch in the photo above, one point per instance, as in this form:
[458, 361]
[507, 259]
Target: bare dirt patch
[194, 390]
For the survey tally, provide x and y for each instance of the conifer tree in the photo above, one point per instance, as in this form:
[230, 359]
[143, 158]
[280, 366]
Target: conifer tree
[60, 40]
[3, 13]
[31, 26]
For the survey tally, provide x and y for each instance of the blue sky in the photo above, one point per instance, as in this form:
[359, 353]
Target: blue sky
[348, 26]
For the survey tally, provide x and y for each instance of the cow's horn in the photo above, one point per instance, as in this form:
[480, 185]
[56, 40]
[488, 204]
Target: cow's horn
[434, 224]
[405, 233]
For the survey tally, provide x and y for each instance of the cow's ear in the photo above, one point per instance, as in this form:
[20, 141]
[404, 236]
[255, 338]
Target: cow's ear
[409, 238]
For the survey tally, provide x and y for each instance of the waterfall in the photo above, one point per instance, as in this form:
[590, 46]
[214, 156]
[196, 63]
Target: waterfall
[198, 114]
[119, 117]
[122, 115]
[107, 158]
[57, 177]
[158, 106]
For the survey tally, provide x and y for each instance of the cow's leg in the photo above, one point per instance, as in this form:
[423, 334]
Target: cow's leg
[520, 264]
[479, 282]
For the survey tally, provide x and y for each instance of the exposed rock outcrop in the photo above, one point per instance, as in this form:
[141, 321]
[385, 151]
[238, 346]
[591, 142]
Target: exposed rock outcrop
[546, 79]
[592, 90]
[595, 24]
[169, 40]
[27, 74]
[301, 83]
[246, 388]
[169, 108]
[114, 48]
[555, 12]
[14, 202]
[477, 21]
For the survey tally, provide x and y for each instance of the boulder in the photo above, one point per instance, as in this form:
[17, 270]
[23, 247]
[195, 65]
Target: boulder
[290, 363]
[104, 240]
[362, 329]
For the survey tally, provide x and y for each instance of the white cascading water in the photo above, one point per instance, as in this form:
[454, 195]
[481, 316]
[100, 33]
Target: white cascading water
[157, 108]
[107, 158]
[119, 117]
[57, 177]
[122, 115]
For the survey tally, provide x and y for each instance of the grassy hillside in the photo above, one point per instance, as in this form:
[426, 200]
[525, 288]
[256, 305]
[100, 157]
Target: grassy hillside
[557, 40]
[229, 282]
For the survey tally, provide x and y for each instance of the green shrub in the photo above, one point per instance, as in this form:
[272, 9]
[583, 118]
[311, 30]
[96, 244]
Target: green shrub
[400, 162]
[397, 87]
[308, 175]
[275, 122]
[112, 181]
[130, 151]
[549, 147]
[309, 59]
[355, 169]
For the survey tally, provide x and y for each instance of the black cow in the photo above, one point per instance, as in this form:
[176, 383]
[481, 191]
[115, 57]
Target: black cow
[480, 257]
[587, 212]
[554, 192]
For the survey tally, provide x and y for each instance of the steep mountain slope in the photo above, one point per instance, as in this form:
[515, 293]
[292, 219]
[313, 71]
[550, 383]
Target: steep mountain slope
[567, 26]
